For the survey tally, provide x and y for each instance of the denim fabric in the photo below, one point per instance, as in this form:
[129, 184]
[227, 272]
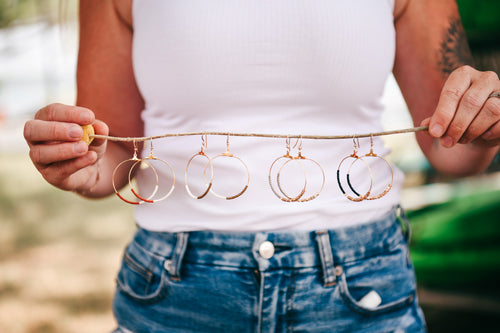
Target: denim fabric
[220, 282]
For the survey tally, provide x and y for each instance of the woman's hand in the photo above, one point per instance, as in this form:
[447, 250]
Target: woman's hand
[57, 149]
[466, 113]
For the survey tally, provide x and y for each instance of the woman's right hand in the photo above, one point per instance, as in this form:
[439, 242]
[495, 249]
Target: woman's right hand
[57, 150]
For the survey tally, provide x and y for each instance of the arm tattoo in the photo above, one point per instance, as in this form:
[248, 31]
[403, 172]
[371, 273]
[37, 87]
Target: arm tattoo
[454, 49]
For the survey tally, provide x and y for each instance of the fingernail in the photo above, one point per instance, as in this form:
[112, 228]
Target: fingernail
[80, 147]
[436, 130]
[85, 117]
[447, 141]
[75, 132]
[487, 135]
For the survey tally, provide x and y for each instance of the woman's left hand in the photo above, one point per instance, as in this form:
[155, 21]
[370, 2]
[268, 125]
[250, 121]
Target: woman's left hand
[467, 111]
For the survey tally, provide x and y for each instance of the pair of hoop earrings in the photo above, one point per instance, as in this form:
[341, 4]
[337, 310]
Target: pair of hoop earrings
[287, 160]
[138, 162]
[209, 165]
[356, 158]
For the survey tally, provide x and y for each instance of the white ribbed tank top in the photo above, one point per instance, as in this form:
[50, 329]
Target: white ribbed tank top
[282, 66]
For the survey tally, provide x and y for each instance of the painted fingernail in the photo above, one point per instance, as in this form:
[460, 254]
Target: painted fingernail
[75, 132]
[436, 130]
[447, 141]
[80, 147]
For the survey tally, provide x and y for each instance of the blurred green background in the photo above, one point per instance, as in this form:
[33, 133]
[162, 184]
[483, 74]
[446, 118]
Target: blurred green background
[59, 253]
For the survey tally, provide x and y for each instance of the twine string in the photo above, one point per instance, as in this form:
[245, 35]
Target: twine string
[262, 135]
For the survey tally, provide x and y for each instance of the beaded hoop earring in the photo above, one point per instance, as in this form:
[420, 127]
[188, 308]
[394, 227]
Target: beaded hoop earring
[299, 158]
[200, 153]
[389, 186]
[227, 153]
[284, 197]
[153, 158]
[355, 156]
[136, 160]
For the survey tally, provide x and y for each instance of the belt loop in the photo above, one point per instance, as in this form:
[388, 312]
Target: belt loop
[173, 266]
[405, 223]
[325, 253]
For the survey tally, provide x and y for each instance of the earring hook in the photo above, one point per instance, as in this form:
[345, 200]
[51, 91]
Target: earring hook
[136, 150]
[204, 143]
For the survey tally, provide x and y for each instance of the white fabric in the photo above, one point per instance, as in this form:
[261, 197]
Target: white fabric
[281, 66]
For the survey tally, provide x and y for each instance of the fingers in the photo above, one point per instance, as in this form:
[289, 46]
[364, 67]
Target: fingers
[71, 174]
[66, 113]
[40, 131]
[487, 123]
[58, 122]
[45, 154]
[465, 112]
[56, 146]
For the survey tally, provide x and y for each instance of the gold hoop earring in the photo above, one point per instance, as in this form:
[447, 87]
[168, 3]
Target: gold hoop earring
[134, 159]
[299, 158]
[153, 158]
[227, 153]
[389, 186]
[355, 156]
[200, 153]
[289, 157]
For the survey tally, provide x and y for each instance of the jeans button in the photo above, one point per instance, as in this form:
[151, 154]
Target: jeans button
[266, 250]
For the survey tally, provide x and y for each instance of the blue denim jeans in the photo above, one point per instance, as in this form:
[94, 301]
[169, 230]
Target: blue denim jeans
[269, 281]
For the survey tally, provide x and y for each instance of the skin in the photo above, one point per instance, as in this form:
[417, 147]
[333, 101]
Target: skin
[432, 68]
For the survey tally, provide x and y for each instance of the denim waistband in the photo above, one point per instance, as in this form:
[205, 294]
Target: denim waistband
[294, 249]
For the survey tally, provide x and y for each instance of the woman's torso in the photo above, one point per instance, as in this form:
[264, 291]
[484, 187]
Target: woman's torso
[285, 67]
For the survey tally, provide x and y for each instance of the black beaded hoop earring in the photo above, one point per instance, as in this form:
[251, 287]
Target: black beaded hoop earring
[355, 156]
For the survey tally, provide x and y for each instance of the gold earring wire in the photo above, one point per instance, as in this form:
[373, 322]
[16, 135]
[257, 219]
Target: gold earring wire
[302, 158]
[354, 156]
[153, 158]
[135, 160]
[204, 144]
[227, 153]
[288, 157]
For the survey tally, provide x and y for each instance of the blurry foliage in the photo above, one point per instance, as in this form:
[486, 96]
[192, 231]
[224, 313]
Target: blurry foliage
[13, 12]
[481, 20]
[456, 244]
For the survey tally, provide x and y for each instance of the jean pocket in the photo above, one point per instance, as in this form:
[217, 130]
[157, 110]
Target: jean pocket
[142, 276]
[389, 278]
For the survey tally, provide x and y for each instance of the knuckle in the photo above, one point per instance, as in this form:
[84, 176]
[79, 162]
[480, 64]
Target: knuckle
[52, 110]
[492, 108]
[490, 76]
[452, 93]
[472, 101]
[465, 69]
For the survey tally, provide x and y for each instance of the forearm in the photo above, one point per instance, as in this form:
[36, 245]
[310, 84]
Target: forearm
[443, 92]
[459, 161]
